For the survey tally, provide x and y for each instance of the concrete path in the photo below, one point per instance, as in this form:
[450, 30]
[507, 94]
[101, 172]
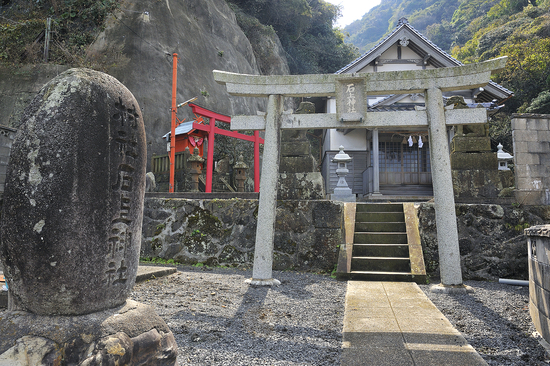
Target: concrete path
[394, 323]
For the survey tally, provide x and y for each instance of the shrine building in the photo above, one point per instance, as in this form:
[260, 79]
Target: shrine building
[404, 154]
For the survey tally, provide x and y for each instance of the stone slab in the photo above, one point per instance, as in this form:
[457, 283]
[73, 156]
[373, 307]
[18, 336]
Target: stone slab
[295, 148]
[377, 333]
[145, 273]
[410, 119]
[322, 85]
[470, 144]
[297, 164]
[474, 161]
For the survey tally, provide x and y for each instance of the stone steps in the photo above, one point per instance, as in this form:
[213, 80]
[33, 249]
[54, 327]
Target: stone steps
[381, 250]
[384, 276]
[386, 226]
[381, 245]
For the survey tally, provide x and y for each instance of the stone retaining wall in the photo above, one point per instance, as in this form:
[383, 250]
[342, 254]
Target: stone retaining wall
[223, 231]
[308, 233]
[491, 238]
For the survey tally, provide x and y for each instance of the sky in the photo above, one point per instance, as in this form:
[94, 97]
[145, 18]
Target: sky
[353, 9]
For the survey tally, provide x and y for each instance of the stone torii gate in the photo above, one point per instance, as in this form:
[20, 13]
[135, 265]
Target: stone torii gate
[351, 92]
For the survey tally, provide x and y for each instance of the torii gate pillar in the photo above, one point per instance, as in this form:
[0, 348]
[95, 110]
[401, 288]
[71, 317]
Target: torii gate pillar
[351, 104]
[267, 209]
[444, 201]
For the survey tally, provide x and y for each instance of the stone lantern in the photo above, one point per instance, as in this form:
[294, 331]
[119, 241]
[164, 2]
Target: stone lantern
[342, 192]
[194, 163]
[503, 158]
[240, 168]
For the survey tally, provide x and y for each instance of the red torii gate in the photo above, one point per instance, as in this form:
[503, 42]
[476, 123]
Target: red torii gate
[212, 130]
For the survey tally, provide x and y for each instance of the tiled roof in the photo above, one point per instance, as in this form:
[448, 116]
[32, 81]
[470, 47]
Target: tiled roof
[404, 23]
[411, 107]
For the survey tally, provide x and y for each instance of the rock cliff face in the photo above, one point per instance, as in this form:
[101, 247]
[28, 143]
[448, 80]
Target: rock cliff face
[136, 47]
[492, 241]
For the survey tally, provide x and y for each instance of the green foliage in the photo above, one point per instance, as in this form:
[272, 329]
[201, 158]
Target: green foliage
[506, 8]
[541, 104]
[156, 260]
[518, 227]
[422, 14]
[75, 23]
[500, 131]
[528, 68]
[304, 28]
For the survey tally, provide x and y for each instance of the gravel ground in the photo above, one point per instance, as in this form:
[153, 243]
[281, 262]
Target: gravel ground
[218, 319]
[495, 320]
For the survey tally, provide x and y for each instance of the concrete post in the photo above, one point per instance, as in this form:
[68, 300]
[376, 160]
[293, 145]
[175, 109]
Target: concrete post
[376, 164]
[445, 215]
[267, 209]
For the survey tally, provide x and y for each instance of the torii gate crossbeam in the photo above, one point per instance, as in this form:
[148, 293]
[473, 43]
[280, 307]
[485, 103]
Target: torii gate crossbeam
[351, 91]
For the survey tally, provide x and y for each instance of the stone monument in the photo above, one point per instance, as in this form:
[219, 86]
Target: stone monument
[71, 228]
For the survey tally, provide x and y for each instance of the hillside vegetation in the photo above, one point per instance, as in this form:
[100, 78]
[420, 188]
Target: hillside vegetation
[304, 28]
[477, 30]
[471, 30]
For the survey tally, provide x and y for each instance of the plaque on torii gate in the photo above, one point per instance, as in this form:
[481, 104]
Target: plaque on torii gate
[351, 91]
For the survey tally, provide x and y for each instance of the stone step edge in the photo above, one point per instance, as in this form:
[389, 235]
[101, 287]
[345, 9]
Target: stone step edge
[383, 273]
[381, 232]
[381, 244]
[145, 273]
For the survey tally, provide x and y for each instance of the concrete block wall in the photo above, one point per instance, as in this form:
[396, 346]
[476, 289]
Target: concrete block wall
[531, 136]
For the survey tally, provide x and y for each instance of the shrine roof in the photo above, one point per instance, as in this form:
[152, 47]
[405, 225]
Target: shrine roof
[183, 128]
[417, 42]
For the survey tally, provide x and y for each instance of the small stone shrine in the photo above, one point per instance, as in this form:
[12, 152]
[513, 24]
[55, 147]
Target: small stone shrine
[71, 228]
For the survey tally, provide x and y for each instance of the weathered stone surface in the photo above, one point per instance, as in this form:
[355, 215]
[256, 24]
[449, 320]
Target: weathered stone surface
[300, 186]
[131, 334]
[18, 87]
[119, 51]
[538, 230]
[223, 232]
[298, 164]
[483, 186]
[293, 149]
[491, 239]
[476, 161]
[470, 144]
[72, 210]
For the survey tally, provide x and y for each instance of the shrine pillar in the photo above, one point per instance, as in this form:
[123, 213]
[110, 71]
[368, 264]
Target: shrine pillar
[267, 209]
[444, 202]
